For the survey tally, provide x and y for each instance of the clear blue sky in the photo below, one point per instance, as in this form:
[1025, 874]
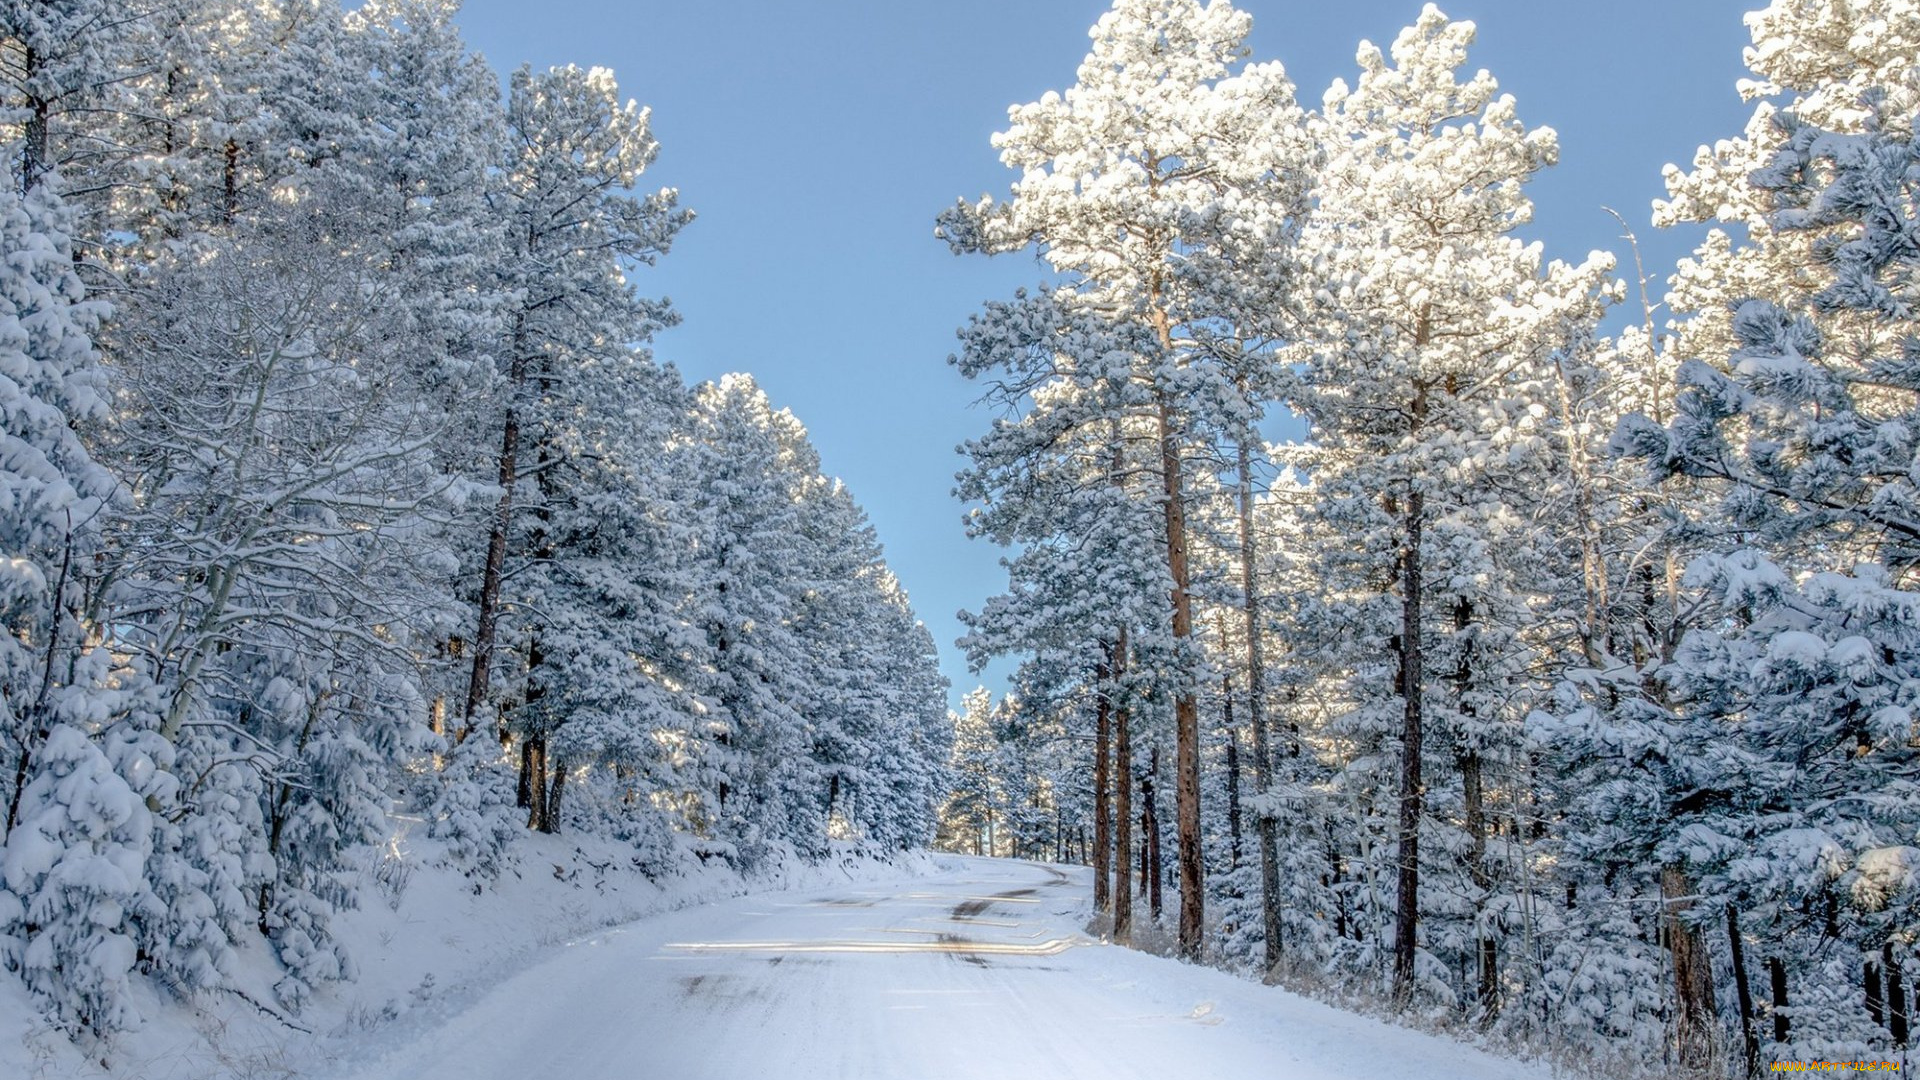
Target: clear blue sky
[816, 140]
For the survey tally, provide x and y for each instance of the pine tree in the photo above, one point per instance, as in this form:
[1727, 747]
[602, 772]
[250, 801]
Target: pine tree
[572, 231]
[1432, 328]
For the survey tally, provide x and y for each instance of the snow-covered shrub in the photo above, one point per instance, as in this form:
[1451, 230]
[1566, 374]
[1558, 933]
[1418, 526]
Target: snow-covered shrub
[74, 871]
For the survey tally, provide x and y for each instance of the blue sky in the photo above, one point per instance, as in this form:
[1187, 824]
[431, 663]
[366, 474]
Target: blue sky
[816, 140]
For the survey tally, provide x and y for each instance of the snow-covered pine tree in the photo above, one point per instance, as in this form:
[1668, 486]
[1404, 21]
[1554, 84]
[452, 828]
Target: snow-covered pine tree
[749, 504]
[971, 819]
[77, 834]
[574, 231]
[1798, 689]
[606, 599]
[1433, 330]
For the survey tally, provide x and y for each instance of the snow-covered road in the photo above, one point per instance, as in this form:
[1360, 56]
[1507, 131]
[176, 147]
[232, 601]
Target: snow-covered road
[980, 971]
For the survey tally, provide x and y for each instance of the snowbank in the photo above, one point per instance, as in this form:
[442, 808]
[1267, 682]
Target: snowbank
[427, 939]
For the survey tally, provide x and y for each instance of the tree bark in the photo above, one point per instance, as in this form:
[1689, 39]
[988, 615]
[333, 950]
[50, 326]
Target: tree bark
[1150, 869]
[1473, 790]
[534, 761]
[1102, 785]
[1233, 784]
[1777, 975]
[1186, 713]
[36, 152]
[1473, 793]
[1122, 799]
[1876, 1010]
[1406, 923]
[1406, 916]
[1694, 1012]
[1265, 827]
[1896, 995]
[523, 791]
[1737, 949]
[487, 620]
[550, 822]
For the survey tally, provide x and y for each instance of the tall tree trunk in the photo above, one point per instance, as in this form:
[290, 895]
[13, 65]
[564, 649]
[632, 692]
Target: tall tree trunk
[1777, 976]
[1102, 784]
[1150, 836]
[36, 151]
[1694, 1012]
[550, 821]
[1870, 976]
[535, 763]
[230, 181]
[1186, 712]
[1896, 995]
[1473, 793]
[1473, 790]
[487, 624]
[1122, 799]
[1233, 784]
[1406, 917]
[1406, 924]
[523, 791]
[1265, 828]
[487, 621]
[1743, 992]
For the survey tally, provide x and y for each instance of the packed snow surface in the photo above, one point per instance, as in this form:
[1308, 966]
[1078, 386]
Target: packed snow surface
[980, 970]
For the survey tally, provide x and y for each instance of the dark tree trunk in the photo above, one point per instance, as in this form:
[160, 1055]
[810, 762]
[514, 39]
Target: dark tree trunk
[1694, 1012]
[36, 151]
[1737, 949]
[1233, 782]
[1151, 836]
[1122, 801]
[1186, 712]
[1777, 975]
[1336, 876]
[487, 619]
[534, 762]
[487, 624]
[1265, 828]
[1896, 995]
[1406, 923]
[230, 181]
[550, 821]
[1102, 786]
[1473, 792]
[523, 791]
[1870, 975]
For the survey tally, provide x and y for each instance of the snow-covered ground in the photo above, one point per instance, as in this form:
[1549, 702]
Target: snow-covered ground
[429, 942]
[573, 966]
[977, 969]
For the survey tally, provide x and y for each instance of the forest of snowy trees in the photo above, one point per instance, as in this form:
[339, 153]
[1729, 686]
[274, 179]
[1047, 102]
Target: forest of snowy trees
[1560, 683]
[338, 485]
